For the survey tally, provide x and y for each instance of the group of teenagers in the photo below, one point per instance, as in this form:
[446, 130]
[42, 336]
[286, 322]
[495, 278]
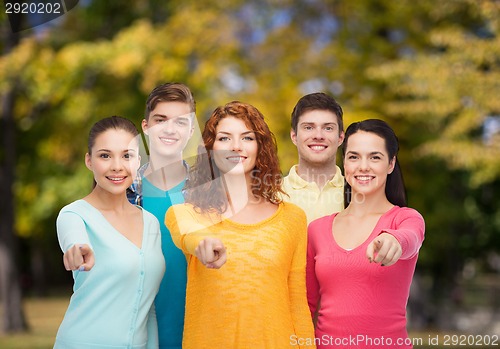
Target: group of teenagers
[226, 252]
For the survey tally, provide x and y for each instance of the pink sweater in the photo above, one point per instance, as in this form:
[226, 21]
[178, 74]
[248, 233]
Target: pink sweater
[362, 304]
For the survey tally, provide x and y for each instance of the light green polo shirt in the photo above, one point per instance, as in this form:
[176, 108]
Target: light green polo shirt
[314, 201]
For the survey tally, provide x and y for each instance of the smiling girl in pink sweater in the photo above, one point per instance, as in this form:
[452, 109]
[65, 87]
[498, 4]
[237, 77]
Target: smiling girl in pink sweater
[361, 261]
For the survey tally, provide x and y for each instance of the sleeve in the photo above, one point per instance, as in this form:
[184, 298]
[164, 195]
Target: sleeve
[409, 231]
[186, 228]
[312, 283]
[152, 328]
[71, 230]
[297, 282]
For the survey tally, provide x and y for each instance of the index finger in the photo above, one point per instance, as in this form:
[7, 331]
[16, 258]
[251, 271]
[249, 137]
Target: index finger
[383, 251]
[370, 251]
[221, 259]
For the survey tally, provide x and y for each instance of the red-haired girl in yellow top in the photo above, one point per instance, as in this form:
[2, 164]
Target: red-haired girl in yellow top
[256, 298]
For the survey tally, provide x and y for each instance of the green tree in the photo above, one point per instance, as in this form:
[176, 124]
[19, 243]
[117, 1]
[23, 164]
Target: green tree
[445, 94]
[10, 287]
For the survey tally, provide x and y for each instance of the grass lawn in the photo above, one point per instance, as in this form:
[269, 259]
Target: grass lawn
[44, 316]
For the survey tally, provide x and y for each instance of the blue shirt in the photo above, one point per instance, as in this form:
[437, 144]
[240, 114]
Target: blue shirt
[134, 192]
[112, 304]
[171, 298]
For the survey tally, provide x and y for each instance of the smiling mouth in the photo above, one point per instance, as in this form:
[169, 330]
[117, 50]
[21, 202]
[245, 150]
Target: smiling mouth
[236, 159]
[116, 179]
[364, 178]
[168, 140]
[318, 147]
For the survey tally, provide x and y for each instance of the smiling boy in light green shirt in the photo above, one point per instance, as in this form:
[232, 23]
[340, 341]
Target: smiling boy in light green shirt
[316, 183]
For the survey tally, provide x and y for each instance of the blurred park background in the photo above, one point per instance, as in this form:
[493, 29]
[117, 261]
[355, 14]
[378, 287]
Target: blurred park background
[429, 68]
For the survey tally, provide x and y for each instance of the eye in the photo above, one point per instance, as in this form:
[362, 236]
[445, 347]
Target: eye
[248, 138]
[376, 157]
[104, 156]
[329, 128]
[308, 127]
[159, 120]
[128, 156]
[223, 139]
[182, 122]
[352, 157]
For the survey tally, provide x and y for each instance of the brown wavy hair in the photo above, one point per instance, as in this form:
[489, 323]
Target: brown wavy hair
[205, 189]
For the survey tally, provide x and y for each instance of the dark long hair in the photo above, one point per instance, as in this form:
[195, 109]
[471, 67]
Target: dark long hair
[394, 187]
[111, 122]
[204, 188]
[169, 92]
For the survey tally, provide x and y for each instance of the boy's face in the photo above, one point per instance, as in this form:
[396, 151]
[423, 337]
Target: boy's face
[169, 127]
[317, 137]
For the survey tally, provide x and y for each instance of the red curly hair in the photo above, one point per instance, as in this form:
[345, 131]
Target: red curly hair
[204, 188]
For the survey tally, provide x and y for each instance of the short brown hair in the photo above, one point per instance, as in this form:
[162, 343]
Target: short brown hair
[169, 92]
[317, 101]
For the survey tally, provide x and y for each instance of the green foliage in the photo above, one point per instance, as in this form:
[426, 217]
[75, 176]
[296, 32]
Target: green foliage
[444, 94]
[451, 90]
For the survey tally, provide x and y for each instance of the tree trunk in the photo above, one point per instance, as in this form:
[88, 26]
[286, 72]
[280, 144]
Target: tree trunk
[10, 287]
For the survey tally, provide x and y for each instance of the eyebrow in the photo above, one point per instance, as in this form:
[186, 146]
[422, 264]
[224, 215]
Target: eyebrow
[183, 116]
[229, 133]
[109, 151]
[371, 153]
[314, 123]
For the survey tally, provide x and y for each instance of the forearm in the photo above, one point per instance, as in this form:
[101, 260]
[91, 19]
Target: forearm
[410, 234]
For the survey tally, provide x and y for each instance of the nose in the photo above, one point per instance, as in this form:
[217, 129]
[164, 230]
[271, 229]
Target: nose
[169, 126]
[116, 164]
[318, 133]
[236, 145]
[364, 164]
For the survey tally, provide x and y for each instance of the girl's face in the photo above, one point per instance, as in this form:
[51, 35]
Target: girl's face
[235, 148]
[367, 163]
[114, 160]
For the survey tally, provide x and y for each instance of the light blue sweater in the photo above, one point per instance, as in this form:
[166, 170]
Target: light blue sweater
[112, 304]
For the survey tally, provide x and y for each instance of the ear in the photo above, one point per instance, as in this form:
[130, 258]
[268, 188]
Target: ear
[88, 163]
[135, 167]
[144, 125]
[293, 136]
[191, 131]
[392, 165]
[341, 138]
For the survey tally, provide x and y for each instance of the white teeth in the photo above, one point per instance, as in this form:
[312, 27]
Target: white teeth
[364, 178]
[168, 140]
[318, 147]
[235, 158]
[116, 178]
